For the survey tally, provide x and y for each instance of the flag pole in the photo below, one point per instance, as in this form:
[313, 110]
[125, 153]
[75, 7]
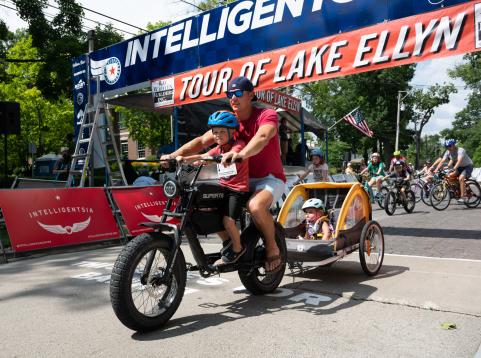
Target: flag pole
[335, 124]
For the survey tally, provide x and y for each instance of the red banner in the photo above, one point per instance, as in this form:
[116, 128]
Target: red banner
[139, 205]
[44, 218]
[280, 100]
[446, 32]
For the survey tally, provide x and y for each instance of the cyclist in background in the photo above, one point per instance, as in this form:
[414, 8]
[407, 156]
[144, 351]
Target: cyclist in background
[376, 171]
[463, 165]
[318, 167]
[396, 156]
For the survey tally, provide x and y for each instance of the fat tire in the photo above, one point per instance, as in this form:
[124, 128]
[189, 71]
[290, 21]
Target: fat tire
[390, 198]
[121, 282]
[249, 277]
[362, 243]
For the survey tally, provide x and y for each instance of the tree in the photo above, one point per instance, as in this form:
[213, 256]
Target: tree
[43, 122]
[467, 126]
[375, 93]
[58, 41]
[206, 4]
[424, 103]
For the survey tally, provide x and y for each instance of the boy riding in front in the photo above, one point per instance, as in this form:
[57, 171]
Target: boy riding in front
[234, 179]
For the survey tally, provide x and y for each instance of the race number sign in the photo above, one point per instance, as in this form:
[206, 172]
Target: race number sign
[44, 218]
[449, 31]
[139, 205]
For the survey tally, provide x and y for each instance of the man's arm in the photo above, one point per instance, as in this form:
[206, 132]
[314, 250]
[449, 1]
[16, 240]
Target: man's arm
[255, 145]
[440, 164]
[458, 162]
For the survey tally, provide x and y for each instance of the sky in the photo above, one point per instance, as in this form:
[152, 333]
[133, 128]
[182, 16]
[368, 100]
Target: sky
[140, 12]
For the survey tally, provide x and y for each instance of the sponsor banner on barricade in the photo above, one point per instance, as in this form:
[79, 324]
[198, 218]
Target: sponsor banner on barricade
[45, 218]
[139, 205]
[239, 29]
[446, 32]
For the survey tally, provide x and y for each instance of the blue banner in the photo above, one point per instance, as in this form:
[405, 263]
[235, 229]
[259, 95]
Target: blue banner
[240, 29]
[80, 95]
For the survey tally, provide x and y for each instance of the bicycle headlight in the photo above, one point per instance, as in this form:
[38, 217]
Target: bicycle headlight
[170, 189]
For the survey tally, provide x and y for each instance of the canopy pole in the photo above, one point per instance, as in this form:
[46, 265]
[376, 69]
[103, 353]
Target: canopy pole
[175, 117]
[326, 139]
[303, 140]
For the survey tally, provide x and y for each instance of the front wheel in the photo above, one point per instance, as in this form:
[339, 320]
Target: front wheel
[371, 248]
[390, 203]
[440, 196]
[252, 273]
[473, 194]
[144, 299]
[382, 197]
[409, 201]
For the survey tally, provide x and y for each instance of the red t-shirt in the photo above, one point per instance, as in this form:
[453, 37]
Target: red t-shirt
[240, 181]
[268, 160]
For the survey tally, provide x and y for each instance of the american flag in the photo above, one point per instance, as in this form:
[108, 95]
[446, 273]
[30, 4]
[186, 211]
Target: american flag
[356, 119]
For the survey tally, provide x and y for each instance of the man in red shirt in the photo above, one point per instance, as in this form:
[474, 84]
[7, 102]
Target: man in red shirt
[258, 128]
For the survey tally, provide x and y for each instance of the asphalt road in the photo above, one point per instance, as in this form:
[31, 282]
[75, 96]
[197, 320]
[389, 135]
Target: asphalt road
[58, 305]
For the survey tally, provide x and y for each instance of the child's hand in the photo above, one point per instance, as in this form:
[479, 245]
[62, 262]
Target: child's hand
[179, 158]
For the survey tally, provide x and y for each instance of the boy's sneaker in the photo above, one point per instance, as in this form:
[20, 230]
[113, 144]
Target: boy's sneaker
[229, 256]
[462, 200]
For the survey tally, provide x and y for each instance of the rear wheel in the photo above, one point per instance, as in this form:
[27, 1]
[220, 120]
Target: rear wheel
[425, 193]
[440, 196]
[390, 203]
[410, 201]
[417, 189]
[371, 248]
[473, 193]
[382, 197]
[253, 275]
[143, 302]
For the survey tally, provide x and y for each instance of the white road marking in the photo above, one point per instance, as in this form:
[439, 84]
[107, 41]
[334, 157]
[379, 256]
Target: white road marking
[433, 258]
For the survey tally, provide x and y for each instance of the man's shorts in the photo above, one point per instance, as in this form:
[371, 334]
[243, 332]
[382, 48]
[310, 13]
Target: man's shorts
[466, 171]
[270, 183]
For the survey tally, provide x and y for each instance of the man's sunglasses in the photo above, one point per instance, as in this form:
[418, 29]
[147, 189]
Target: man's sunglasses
[237, 93]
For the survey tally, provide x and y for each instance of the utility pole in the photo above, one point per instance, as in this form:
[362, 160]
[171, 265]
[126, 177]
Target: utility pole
[399, 100]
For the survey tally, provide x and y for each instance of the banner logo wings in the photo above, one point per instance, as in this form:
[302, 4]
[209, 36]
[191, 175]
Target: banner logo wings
[153, 218]
[59, 229]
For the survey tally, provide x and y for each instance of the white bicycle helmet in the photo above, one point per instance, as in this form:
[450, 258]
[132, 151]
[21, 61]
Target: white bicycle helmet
[313, 203]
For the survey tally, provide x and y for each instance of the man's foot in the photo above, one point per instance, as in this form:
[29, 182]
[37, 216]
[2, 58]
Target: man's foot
[462, 200]
[273, 264]
[229, 256]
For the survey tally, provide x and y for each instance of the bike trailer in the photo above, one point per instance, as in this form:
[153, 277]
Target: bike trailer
[349, 210]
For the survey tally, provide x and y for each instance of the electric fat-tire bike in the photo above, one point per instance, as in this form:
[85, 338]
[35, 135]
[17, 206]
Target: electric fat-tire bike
[149, 276]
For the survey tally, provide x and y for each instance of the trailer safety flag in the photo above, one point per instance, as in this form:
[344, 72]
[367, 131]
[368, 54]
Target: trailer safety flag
[240, 29]
[449, 31]
[44, 218]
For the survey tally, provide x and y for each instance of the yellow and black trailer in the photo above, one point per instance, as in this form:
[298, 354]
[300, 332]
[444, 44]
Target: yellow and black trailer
[350, 214]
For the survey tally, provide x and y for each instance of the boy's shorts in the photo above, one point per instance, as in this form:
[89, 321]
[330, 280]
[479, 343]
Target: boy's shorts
[270, 183]
[234, 201]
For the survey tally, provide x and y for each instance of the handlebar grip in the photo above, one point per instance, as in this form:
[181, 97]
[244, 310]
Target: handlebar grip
[218, 159]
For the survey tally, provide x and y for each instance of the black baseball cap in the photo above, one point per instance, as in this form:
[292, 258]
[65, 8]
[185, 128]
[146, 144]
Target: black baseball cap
[241, 83]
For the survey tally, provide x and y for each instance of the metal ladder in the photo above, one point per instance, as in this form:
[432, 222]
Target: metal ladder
[92, 131]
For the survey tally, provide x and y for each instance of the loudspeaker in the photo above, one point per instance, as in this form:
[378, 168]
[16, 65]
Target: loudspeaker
[9, 118]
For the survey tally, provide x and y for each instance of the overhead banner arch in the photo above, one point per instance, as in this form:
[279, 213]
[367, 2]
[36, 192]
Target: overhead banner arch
[446, 32]
[238, 30]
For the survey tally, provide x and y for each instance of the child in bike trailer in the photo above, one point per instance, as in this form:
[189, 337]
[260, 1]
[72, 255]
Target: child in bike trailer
[234, 179]
[318, 167]
[318, 225]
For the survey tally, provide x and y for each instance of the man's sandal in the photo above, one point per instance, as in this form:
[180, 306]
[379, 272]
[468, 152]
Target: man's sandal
[271, 259]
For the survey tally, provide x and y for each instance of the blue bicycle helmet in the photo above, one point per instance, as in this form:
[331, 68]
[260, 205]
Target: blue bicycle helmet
[317, 151]
[449, 142]
[223, 119]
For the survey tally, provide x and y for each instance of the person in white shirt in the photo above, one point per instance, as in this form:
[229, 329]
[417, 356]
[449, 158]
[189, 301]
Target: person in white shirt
[318, 167]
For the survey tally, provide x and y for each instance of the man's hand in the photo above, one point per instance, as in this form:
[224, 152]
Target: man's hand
[231, 157]
[179, 158]
[165, 158]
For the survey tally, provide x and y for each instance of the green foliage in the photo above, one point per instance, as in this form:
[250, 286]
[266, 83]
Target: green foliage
[467, 126]
[376, 94]
[43, 122]
[149, 128]
[336, 152]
